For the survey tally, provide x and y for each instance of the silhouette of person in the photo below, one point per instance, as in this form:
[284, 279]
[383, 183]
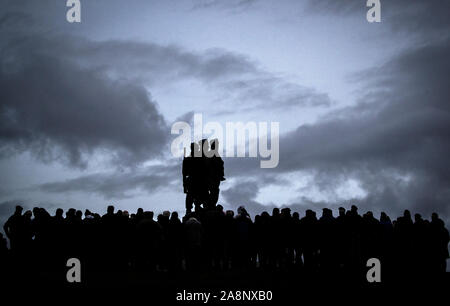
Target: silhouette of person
[4, 260]
[3, 248]
[286, 238]
[309, 224]
[216, 173]
[194, 243]
[327, 240]
[148, 242]
[244, 237]
[439, 245]
[174, 242]
[203, 164]
[14, 229]
[192, 178]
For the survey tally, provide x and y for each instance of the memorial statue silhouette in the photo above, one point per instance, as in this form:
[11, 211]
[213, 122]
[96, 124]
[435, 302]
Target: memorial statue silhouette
[202, 171]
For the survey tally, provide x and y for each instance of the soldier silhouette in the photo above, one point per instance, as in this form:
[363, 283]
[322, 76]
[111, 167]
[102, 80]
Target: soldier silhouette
[191, 177]
[203, 166]
[216, 173]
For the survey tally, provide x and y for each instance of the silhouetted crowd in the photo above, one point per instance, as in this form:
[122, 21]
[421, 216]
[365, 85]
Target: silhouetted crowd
[117, 243]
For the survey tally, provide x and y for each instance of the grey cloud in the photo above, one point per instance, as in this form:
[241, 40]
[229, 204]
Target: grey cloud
[394, 142]
[17, 20]
[244, 194]
[236, 77]
[424, 17]
[274, 92]
[49, 104]
[187, 117]
[118, 185]
[403, 134]
[156, 63]
[84, 97]
[61, 111]
[67, 98]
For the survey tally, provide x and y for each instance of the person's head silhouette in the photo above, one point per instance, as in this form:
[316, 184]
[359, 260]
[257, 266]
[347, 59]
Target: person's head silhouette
[59, 212]
[407, 214]
[18, 210]
[28, 214]
[434, 217]
[275, 212]
[309, 213]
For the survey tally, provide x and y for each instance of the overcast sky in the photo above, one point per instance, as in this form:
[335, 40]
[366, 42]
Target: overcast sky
[86, 109]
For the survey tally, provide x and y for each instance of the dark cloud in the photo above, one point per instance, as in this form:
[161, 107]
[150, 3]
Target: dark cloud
[244, 194]
[271, 92]
[157, 64]
[187, 117]
[62, 111]
[394, 141]
[411, 16]
[235, 77]
[67, 97]
[16, 20]
[118, 185]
